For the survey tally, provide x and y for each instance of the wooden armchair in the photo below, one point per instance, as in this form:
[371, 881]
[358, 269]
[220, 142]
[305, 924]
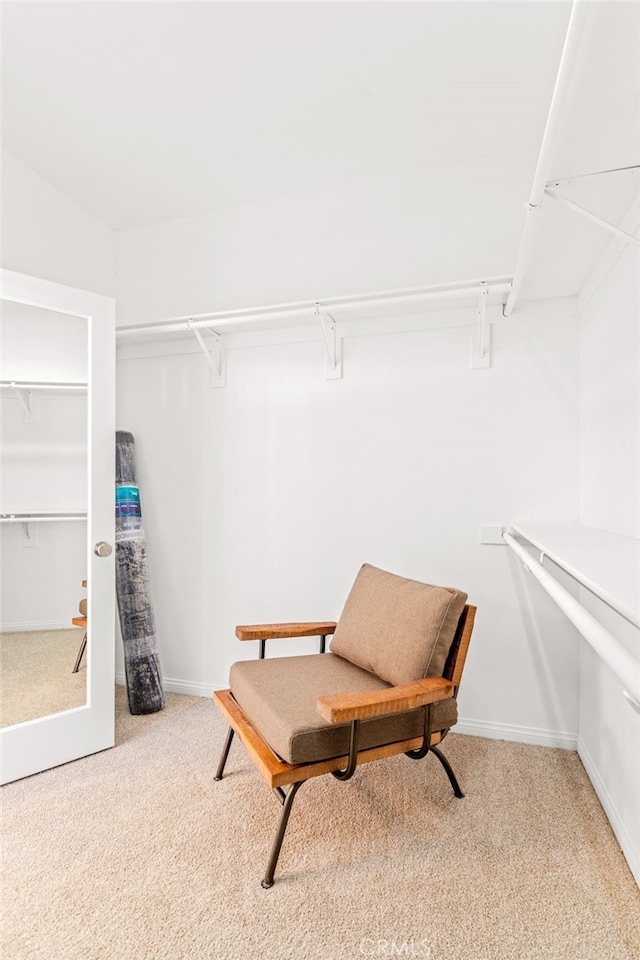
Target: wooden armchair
[388, 686]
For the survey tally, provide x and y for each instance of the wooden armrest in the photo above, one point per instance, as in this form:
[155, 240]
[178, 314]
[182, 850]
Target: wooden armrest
[343, 707]
[275, 631]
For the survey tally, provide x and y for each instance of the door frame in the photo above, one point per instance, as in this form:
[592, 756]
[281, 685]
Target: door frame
[45, 742]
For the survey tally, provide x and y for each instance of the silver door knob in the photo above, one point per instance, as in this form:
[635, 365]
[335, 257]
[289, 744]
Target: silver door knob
[103, 549]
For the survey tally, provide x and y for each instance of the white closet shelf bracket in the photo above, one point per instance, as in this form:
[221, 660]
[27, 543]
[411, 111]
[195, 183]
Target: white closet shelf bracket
[332, 342]
[30, 522]
[581, 211]
[25, 398]
[214, 357]
[580, 12]
[481, 335]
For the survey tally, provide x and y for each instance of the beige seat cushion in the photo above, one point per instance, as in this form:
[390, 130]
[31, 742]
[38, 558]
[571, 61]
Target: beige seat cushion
[279, 697]
[397, 628]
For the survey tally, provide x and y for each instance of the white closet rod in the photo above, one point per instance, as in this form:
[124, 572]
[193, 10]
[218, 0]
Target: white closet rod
[306, 309]
[42, 385]
[40, 517]
[624, 666]
[579, 12]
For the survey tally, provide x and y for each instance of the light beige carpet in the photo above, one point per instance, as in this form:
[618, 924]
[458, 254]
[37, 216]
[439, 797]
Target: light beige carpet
[137, 854]
[36, 674]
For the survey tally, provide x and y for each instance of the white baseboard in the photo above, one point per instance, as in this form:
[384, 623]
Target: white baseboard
[23, 626]
[517, 734]
[627, 845]
[188, 687]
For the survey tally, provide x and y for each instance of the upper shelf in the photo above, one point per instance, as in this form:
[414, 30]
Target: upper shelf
[606, 563]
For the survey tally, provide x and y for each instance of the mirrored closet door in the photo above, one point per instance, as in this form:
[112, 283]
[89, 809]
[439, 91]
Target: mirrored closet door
[56, 524]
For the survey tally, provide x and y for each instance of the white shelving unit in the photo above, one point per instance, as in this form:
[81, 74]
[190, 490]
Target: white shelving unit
[605, 563]
[608, 566]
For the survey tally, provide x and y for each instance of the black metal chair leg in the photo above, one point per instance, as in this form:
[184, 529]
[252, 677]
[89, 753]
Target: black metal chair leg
[449, 771]
[83, 647]
[225, 754]
[277, 843]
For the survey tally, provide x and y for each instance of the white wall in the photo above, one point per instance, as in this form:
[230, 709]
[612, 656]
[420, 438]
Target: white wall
[385, 233]
[610, 401]
[609, 730]
[609, 733]
[41, 584]
[261, 499]
[47, 235]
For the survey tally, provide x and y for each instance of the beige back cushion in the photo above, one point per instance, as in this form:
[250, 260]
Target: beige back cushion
[399, 629]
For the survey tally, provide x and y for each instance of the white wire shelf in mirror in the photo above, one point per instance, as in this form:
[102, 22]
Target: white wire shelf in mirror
[65, 515]
[54, 385]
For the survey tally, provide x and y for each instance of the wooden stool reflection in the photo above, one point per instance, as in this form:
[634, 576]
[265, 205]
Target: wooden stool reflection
[81, 622]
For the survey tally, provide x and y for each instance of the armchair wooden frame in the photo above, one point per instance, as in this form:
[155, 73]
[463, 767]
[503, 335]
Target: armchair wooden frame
[351, 707]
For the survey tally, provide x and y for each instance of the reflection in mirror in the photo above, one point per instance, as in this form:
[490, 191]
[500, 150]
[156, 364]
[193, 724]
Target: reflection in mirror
[43, 505]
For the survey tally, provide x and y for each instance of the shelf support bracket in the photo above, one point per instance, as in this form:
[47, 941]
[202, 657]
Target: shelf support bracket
[29, 531]
[26, 399]
[332, 343]
[214, 357]
[581, 211]
[481, 334]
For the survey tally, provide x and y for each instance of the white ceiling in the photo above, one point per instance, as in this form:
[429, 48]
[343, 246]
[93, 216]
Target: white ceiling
[144, 112]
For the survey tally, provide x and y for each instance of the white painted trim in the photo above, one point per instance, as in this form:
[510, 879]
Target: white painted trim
[188, 687]
[631, 854]
[22, 626]
[516, 734]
